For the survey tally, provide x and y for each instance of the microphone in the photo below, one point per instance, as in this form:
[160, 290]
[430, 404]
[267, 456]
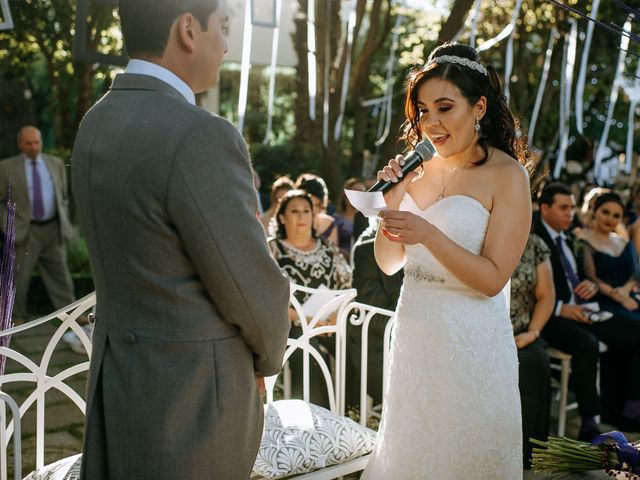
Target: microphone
[424, 151]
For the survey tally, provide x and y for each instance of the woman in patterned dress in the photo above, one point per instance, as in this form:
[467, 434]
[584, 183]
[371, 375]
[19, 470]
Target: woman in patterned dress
[309, 261]
[532, 301]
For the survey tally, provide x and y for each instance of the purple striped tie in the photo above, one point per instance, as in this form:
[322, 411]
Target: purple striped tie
[568, 268]
[38, 205]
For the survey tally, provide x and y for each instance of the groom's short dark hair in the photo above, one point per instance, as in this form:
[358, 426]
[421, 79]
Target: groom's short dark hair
[146, 23]
[551, 190]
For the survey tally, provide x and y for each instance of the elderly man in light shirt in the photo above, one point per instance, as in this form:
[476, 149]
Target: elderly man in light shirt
[40, 192]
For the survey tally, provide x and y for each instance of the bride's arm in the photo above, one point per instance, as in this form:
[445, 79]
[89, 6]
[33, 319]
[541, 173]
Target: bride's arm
[390, 256]
[507, 233]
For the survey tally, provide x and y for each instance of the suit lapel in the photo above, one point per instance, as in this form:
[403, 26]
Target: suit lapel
[560, 280]
[18, 179]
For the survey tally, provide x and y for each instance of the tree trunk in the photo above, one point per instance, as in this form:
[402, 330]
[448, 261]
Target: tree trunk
[455, 21]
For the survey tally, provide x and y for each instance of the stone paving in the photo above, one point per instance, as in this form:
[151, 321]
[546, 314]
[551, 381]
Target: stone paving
[64, 421]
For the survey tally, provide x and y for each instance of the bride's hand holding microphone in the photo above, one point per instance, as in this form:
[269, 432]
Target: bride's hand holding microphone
[394, 180]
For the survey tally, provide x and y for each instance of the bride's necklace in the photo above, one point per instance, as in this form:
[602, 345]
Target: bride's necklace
[445, 185]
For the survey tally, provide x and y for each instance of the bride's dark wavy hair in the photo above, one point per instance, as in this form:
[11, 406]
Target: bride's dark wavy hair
[499, 126]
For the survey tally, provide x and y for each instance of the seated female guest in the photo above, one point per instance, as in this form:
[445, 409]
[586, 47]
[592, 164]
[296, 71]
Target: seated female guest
[610, 260]
[324, 224]
[532, 301]
[309, 261]
[280, 186]
[612, 263]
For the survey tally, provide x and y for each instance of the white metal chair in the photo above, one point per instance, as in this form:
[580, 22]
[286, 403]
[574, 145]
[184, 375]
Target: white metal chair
[44, 383]
[361, 314]
[337, 302]
[562, 385]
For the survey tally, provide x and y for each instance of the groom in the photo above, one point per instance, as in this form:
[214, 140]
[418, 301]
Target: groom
[191, 308]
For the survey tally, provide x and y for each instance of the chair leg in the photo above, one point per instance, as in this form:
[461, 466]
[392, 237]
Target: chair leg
[564, 393]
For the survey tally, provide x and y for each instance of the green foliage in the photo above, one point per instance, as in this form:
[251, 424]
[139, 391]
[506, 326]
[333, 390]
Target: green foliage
[37, 55]
[78, 257]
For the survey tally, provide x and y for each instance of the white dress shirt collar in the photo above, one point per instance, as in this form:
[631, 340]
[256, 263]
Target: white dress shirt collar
[28, 160]
[553, 233]
[142, 67]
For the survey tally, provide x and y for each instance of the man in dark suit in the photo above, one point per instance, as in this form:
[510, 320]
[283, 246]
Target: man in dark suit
[39, 189]
[192, 310]
[571, 328]
[379, 290]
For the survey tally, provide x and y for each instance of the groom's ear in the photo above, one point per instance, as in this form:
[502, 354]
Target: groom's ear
[184, 30]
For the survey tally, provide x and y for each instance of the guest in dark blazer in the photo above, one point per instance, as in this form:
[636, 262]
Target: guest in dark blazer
[571, 327]
[379, 290]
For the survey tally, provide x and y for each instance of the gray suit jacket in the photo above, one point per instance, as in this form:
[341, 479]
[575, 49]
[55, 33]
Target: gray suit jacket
[12, 169]
[190, 304]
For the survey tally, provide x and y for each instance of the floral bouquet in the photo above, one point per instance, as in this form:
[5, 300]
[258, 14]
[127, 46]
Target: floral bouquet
[611, 452]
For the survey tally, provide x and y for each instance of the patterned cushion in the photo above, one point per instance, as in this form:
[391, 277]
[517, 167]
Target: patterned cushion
[65, 469]
[299, 437]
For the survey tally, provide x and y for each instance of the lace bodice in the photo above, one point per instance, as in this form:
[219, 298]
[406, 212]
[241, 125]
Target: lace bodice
[461, 218]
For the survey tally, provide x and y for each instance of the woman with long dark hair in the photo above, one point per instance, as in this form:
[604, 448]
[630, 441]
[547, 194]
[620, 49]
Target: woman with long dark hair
[452, 406]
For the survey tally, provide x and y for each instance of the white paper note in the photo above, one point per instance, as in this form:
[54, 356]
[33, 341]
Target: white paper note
[368, 203]
[317, 300]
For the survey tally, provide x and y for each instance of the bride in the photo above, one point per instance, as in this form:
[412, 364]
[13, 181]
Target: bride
[452, 407]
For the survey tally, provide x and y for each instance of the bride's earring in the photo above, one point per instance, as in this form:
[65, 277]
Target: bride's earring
[477, 125]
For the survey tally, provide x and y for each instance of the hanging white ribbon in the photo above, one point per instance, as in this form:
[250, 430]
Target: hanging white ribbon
[613, 98]
[311, 57]
[582, 76]
[543, 83]
[506, 31]
[274, 64]
[632, 89]
[7, 24]
[245, 65]
[474, 23]
[387, 111]
[327, 72]
[351, 23]
[568, 64]
[508, 63]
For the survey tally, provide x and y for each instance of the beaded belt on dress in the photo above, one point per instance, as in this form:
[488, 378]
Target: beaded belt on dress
[417, 273]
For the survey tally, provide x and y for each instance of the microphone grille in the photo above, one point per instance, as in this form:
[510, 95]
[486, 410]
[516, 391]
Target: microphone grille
[425, 149]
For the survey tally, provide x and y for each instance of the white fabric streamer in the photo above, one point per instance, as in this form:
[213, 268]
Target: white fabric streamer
[543, 83]
[474, 23]
[582, 76]
[327, 72]
[311, 57]
[245, 65]
[506, 31]
[617, 82]
[632, 89]
[351, 23]
[508, 67]
[389, 82]
[272, 77]
[568, 64]
[7, 24]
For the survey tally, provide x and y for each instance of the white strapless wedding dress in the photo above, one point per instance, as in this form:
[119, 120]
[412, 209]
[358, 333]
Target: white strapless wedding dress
[451, 406]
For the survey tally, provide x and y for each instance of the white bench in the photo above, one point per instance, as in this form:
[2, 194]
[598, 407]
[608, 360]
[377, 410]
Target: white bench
[12, 411]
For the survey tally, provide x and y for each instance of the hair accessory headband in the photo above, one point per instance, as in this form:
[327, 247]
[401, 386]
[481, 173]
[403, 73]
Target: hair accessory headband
[460, 61]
